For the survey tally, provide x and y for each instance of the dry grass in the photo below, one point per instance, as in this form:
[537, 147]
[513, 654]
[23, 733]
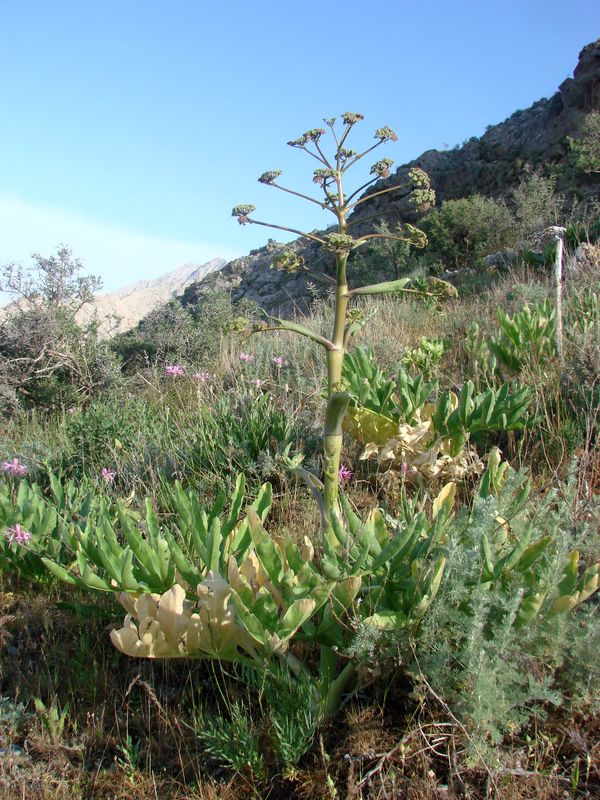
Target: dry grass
[383, 747]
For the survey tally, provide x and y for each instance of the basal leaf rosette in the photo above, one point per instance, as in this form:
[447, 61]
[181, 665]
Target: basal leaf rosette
[414, 451]
[251, 613]
[171, 626]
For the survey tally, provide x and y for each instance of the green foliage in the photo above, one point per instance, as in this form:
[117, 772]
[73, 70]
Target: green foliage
[585, 151]
[176, 333]
[454, 418]
[529, 336]
[492, 642]
[492, 410]
[46, 357]
[367, 383]
[425, 358]
[584, 312]
[13, 717]
[232, 739]
[294, 712]
[289, 709]
[461, 232]
[536, 205]
[115, 548]
[246, 431]
[98, 433]
[47, 522]
[53, 718]
[386, 256]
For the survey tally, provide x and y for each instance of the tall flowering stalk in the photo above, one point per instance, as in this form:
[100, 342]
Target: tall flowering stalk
[330, 176]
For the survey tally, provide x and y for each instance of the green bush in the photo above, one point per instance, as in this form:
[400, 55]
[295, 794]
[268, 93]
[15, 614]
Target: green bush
[180, 334]
[536, 206]
[48, 359]
[494, 663]
[461, 232]
[585, 151]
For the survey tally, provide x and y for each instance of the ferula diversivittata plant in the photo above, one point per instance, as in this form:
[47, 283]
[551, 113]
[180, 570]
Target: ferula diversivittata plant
[330, 176]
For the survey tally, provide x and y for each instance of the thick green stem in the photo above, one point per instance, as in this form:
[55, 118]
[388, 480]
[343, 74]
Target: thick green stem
[332, 687]
[332, 449]
[336, 408]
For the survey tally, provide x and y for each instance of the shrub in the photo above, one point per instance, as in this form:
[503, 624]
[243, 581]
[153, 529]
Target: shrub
[46, 357]
[536, 205]
[461, 232]
[585, 151]
[177, 333]
[481, 649]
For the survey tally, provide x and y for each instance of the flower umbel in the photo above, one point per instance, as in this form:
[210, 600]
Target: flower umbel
[14, 467]
[246, 358]
[279, 361]
[201, 377]
[17, 535]
[242, 211]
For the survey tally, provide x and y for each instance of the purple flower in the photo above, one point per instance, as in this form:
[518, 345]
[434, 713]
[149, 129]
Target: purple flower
[257, 382]
[345, 473]
[14, 468]
[201, 377]
[407, 470]
[246, 358]
[279, 361]
[174, 370]
[107, 475]
[17, 535]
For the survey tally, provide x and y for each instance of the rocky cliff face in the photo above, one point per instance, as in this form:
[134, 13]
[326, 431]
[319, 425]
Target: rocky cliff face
[252, 278]
[494, 163]
[491, 165]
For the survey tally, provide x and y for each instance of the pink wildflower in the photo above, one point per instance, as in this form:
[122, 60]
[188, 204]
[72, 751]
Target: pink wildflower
[345, 473]
[279, 361]
[246, 358]
[201, 377]
[174, 370]
[407, 470]
[14, 468]
[257, 382]
[17, 535]
[107, 475]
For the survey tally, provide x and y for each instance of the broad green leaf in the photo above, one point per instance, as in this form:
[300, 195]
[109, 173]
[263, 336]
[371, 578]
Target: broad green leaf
[368, 426]
[444, 501]
[387, 620]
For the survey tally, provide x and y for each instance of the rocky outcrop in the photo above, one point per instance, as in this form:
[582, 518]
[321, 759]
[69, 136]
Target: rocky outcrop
[495, 163]
[252, 277]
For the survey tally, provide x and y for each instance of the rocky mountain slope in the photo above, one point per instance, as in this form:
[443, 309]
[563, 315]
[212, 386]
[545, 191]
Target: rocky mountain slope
[491, 165]
[121, 310]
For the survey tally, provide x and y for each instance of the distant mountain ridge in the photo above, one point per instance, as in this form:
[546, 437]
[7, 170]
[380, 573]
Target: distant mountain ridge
[132, 303]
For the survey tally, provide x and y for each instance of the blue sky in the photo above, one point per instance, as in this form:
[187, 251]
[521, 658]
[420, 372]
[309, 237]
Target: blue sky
[130, 129]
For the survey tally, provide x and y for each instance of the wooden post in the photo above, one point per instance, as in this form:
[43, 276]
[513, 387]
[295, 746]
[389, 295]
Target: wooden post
[558, 234]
